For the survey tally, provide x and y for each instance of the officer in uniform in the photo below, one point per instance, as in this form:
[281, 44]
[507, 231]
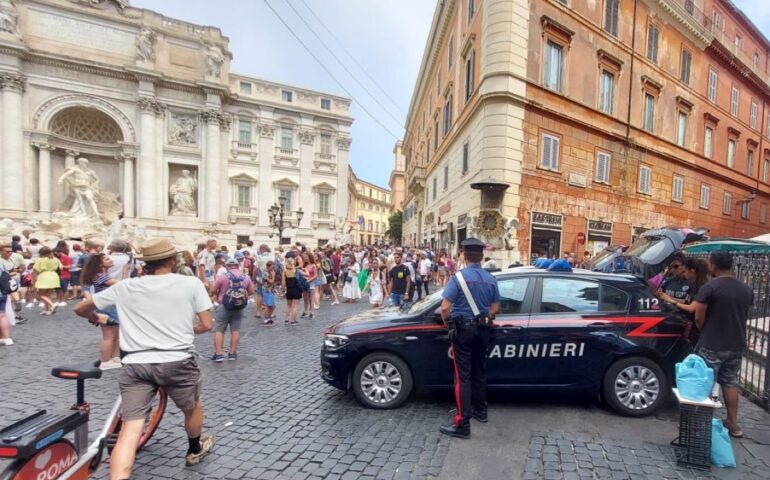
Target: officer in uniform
[469, 334]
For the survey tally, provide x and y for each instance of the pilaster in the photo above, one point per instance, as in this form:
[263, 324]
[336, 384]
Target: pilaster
[147, 168]
[266, 158]
[12, 85]
[44, 176]
[212, 176]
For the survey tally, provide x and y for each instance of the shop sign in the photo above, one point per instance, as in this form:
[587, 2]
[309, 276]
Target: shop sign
[599, 227]
[462, 219]
[547, 219]
[444, 209]
[581, 238]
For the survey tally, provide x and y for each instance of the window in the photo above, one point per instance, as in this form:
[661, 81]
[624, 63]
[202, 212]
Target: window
[549, 152]
[756, 58]
[716, 20]
[753, 117]
[326, 144]
[738, 42]
[731, 153]
[766, 171]
[244, 196]
[471, 9]
[435, 135]
[469, 65]
[705, 196]
[567, 295]
[512, 293]
[602, 167]
[677, 189]
[447, 115]
[326, 104]
[653, 35]
[611, 17]
[708, 142]
[606, 91]
[734, 98]
[244, 88]
[465, 158]
[712, 86]
[323, 202]
[684, 67]
[371, 227]
[446, 177]
[763, 213]
[435, 187]
[613, 300]
[286, 95]
[681, 129]
[750, 163]
[727, 204]
[450, 53]
[285, 199]
[645, 179]
[745, 210]
[649, 112]
[553, 65]
[287, 139]
[244, 132]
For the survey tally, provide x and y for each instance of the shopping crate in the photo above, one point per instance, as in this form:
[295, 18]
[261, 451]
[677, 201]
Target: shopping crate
[693, 446]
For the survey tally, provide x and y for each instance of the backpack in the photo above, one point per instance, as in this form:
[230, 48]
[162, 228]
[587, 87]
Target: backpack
[236, 296]
[301, 281]
[7, 284]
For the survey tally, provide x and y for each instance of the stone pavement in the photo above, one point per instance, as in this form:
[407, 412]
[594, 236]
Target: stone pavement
[287, 423]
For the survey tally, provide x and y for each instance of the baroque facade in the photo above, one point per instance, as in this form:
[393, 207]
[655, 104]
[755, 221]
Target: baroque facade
[180, 144]
[370, 207]
[586, 123]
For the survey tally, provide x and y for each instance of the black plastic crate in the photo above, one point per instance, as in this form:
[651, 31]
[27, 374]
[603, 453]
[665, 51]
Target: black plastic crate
[693, 446]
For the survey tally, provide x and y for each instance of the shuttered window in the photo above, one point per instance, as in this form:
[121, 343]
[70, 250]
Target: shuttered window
[549, 152]
[677, 188]
[602, 167]
[705, 196]
[653, 37]
[645, 179]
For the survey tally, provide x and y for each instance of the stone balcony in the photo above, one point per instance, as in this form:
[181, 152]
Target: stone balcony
[416, 178]
[286, 156]
[240, 148]
[323, 220]
[325, 161]
[243, 213]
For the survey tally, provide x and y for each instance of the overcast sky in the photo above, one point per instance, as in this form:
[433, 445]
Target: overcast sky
[386, 37]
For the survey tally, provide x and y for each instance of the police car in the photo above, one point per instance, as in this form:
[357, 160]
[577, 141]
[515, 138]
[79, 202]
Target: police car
[577, 331]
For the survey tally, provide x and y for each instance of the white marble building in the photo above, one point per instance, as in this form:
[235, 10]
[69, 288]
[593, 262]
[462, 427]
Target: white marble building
[185, 146]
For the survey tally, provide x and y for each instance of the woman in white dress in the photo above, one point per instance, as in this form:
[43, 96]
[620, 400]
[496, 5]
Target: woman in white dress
[351, 291]
[374, 285]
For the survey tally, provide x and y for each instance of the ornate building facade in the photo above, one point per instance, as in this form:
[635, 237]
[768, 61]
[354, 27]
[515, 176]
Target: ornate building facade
[180, 144]
[370, 207]
[547, 126]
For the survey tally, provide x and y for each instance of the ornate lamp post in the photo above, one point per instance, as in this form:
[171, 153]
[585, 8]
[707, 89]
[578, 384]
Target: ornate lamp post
[276, 214]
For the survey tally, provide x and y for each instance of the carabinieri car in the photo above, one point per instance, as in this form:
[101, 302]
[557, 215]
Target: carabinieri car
[556, 331]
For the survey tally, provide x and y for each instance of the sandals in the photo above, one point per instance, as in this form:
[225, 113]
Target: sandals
[735, 432]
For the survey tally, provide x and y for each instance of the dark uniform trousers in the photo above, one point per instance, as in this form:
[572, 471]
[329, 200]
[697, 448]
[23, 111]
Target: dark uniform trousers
[470, 344]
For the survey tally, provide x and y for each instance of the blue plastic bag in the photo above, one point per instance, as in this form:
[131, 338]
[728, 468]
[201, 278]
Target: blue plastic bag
[722, 454]
[694, 378]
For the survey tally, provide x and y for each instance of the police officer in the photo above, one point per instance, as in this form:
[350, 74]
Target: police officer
[470, 322]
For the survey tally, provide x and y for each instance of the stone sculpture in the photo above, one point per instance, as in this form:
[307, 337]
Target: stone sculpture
[183, 129]
[182, 194]
[214, 61]
[83, 185]
[9, 18]
[145, 45]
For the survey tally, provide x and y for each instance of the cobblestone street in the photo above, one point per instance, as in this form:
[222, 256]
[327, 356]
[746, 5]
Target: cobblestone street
[287, 423]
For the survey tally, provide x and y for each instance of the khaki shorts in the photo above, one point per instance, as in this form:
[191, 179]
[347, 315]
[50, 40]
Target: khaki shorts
[139, 382]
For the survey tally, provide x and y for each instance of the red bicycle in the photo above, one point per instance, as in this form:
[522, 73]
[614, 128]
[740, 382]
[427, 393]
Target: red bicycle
[36, 447]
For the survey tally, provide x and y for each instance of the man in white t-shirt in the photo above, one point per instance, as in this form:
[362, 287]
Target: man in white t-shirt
[425, 270]
[156, 341]
[119, 254]
[207, 263]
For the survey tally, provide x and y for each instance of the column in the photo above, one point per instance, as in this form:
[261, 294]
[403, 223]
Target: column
[146, 167]
[44, 176]
[341, 200]
[211, 166]
[128, 184]
[69, 158]
[306, 198]
[12, 85]
[266, 157]
[225, 193]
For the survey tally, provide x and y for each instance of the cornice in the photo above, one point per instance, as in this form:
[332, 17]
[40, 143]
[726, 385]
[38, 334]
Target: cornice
[699, 33]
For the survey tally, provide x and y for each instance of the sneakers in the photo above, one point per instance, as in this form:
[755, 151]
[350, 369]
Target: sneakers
[41, 305]
[62, 304]
[30, 305]
[6, 341]
[218, 357]
[232, 356]
[20, 320]
[336, 302]
[268, 323]
[109, 365]
[207, 443]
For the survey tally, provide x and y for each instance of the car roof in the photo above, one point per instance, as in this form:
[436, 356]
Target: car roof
[577, 272]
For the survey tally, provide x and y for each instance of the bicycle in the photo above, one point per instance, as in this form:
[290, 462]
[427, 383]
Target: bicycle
[36, 446]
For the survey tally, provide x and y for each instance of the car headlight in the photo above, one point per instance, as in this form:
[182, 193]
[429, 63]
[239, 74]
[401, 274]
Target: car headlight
[335, 341]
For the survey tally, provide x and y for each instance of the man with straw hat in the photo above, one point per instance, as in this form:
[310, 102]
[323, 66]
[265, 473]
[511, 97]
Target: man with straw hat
[156, 344]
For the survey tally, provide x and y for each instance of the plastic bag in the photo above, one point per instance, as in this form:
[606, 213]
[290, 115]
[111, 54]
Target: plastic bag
[722, 454]
[694, 378]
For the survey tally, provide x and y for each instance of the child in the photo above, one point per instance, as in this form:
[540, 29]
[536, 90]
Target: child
[268, 291]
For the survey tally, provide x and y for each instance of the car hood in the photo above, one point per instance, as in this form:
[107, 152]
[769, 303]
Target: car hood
[372, 320]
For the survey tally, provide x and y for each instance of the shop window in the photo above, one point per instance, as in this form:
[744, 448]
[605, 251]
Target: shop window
[546, 235]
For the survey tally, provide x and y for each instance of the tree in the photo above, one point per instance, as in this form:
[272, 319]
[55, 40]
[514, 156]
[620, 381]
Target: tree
[394, 227]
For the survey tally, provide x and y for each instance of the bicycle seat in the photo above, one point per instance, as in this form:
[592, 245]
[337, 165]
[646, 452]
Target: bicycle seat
[78, 372]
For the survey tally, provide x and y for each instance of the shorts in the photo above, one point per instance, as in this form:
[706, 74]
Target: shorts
[75, 278]
[112, 314]
[3, 302]
[224, 317]
[64, 284]
[268, 299]
[396, 299]
[140, 381]
[258, 290]
[726, 365]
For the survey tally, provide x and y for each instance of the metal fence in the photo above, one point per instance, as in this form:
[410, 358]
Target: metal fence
[754, 270]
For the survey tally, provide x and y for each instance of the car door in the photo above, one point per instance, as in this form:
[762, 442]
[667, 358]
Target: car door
[572, 331]
[509, 331]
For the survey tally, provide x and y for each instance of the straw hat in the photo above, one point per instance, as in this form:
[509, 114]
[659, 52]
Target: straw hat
[157, 249]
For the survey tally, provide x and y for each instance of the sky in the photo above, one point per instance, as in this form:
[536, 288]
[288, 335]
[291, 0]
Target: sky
[386, 38]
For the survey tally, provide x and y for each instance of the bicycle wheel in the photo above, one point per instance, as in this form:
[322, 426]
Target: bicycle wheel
[151, 423]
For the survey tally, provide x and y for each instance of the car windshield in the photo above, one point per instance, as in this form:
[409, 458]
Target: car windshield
[648, 249]
[422, 305]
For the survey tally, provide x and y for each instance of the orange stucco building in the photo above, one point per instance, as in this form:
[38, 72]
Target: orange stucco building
[604, 118]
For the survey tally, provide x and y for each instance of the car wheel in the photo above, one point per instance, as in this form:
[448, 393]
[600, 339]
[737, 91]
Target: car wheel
[635, 386]
[382, 380]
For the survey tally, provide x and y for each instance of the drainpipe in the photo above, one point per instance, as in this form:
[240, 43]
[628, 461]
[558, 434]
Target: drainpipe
[631, 76]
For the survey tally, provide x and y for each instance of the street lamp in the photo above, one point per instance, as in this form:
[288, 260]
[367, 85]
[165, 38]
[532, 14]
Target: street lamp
[276, 214]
